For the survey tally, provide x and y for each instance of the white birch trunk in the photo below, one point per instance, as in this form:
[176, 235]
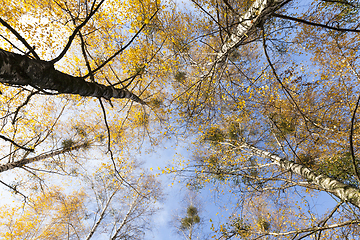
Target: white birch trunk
[133, 205]
[101, 217]
[23, 162]
[343, 191]
[259, 11]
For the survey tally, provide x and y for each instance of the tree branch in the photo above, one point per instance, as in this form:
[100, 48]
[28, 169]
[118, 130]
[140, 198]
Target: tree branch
[343, 191]
[342, 2]
[315, 24]
[355, 167]
[118, 175]
[77, 29]
[22, 105]
[19, 146]
[121, 49]
[315, 229]
[21, 39]
[101, 217]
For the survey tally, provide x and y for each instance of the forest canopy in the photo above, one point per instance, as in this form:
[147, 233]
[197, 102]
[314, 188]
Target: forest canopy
[264, 94]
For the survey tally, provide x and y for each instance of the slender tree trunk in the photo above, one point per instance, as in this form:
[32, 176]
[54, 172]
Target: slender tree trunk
[101, 217]
[23, 162]
[127, 216]
[20, 70]
[316, 229]
[343, 191]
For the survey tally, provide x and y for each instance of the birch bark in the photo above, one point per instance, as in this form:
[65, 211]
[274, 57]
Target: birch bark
[132, 208]
[343, 191]
[101, 217]
[23, 162]
[259, 11]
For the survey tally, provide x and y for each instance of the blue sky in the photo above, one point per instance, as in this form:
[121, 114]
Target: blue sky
[176, 192]
[214, 206]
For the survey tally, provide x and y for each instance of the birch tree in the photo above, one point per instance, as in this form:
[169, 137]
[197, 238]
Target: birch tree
[269, 87]
[277, 117]
[57, 56]
[73, 76]
[106, 207]
[188, 221]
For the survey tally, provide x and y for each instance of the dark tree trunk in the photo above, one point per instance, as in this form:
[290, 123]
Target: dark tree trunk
[16, 70]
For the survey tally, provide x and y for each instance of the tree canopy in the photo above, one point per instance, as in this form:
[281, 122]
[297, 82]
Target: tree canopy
[264, 92]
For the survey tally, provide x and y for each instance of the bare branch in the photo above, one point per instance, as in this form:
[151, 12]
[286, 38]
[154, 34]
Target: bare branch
[356, 171]
[121, 178]
[315, 24]
[21, 39]
[101, 217]
[77, 29]
[19, 146]
[315, 229]
[22, 105]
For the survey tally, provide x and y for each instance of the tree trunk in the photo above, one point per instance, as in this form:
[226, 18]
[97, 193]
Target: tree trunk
[19, 70]
[343, 191]
[23, 162]
[259, 11]
[101, 217]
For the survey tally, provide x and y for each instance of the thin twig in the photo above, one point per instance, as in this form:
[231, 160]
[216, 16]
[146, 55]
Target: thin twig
[323, 222]
[356, 171]
[110, 151]
[14, 189]
[22, 105]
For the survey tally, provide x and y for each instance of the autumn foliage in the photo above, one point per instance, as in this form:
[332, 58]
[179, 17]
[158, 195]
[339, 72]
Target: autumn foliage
[263, 92]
